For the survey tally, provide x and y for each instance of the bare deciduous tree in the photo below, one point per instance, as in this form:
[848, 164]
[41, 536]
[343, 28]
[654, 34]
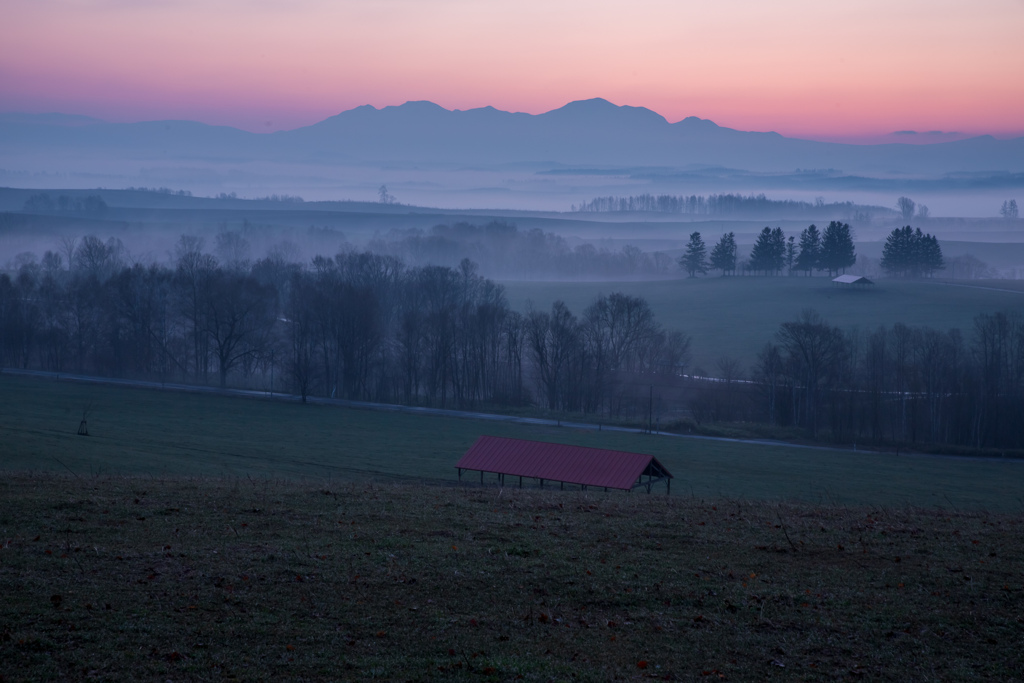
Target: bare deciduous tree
[906, 205]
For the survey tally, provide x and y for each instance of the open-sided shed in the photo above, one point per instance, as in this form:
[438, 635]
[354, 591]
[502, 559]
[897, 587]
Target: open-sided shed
[851, 280]
[555, 462]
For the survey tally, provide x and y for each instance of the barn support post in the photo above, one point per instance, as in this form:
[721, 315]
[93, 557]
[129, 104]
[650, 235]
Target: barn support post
[481, 476]
[460, 474]
[542, 483]
[668, 490]
[520, 482]
[561, 486]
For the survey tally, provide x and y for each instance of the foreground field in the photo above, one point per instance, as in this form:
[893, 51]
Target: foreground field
[736, 316]
[157, 433]
[108, 578]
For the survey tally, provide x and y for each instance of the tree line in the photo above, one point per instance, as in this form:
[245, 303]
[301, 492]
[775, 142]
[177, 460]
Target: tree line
[710, 205]
[370, 327]
[831, 251]
[44, 203]
[357, 325]
[911, 385]
[502, 250]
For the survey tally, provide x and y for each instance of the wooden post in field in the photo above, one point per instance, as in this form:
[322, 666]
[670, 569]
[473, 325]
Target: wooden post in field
[83, 427]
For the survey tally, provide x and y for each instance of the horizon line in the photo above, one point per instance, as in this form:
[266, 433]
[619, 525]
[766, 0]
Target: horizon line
[896, 137]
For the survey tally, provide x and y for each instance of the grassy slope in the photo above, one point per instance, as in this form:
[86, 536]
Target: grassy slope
[736, 316]
[144, 432]
[143, 579]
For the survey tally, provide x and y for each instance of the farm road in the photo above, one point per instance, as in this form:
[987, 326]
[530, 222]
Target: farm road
[992, 289]
[418, 410]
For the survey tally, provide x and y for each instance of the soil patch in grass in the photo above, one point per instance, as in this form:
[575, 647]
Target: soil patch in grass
[113, 578]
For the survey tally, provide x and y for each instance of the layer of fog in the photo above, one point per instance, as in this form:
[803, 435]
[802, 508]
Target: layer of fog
[516, 188]
[500, 249]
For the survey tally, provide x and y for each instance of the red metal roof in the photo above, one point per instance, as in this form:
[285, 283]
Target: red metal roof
[557, 462]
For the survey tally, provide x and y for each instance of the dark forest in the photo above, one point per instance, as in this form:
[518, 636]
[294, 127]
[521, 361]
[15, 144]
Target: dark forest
[370, 327]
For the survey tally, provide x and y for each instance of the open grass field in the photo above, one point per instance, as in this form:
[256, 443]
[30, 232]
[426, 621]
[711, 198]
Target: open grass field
[144, 432]
[154, 579]
[735, 316]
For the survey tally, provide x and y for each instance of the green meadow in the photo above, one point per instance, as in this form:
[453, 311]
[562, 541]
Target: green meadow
[143, 432]
[736, 316]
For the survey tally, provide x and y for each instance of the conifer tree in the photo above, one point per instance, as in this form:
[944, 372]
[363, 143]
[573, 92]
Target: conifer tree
[837, 251]
[778, 244]
[762, 255]
[695, 259]
[810, 249]
[897, 252]
[723, 255]
[931, 256]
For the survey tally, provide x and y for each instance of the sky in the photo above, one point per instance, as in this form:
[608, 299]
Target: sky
[850, 71]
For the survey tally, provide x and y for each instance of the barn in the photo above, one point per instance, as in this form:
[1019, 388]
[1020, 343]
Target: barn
[562, 464]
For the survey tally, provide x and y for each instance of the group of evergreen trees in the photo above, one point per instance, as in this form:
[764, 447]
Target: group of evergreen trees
[908, 252]
[769, 252]
[831, 251]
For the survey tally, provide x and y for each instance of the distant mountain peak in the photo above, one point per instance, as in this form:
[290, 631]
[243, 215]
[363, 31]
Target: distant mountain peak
[418, 106]
[592, 103]
[598, 109]
[696, 121]
[589, 133]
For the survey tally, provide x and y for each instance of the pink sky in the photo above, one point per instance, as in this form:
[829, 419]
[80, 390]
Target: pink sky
[804, 68]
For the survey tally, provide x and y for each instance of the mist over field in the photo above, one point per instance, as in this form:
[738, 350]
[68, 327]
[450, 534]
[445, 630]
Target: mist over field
[614, 199]
[594, 260]
[367, 340]
[486, 158]
[686, 308]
